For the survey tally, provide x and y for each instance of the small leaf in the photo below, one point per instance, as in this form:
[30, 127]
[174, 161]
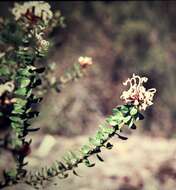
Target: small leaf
[88, 164]
[21, 91]
[85, 149]
[109, 145]
[16, 119]
[139, 116]
[108, 129]
[61, 166]
[94, 141]
[20, 102]
[24, 82]
[74, 172]
[133, 111]
[100, 158]
[133, 126]
[24, 72]
[122, 137]
[32, 129]
[126, 119]
[130, 122]
[4, 70]
[39, 70]
[124, 109]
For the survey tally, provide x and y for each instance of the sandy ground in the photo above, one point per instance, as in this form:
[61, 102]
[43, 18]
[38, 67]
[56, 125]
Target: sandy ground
[140, 163]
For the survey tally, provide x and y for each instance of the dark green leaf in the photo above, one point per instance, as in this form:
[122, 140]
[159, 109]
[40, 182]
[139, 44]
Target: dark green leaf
[100, 158]
[109, 145]
[32, 129]
[133, 126]
[74, 172]
[122, 137]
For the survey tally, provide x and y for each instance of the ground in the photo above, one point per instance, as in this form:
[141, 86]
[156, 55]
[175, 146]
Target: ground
[140, 163]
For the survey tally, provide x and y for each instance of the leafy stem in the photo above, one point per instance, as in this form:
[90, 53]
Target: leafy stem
[122, 115]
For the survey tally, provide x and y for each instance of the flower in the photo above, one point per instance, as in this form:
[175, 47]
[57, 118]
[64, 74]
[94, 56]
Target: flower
[137, 93]
[33, 11]
[7, 87]
[42, 44]
[84, 61]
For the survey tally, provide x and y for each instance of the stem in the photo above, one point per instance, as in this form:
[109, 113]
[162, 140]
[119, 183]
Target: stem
[61, 169]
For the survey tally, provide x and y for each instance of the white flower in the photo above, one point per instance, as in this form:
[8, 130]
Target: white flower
[84, 61]
[33, 10]
[7, 87]
[42, 44]
[137, 93]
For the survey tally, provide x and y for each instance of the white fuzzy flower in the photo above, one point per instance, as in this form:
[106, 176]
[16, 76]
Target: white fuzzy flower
[42, 44]
[7, 87]
[84, 61]
[33, 10]
[137, 93]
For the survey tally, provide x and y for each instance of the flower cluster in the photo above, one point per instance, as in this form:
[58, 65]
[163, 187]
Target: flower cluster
[137, 93]
[84, 61]
[7, 87]
[33, 11]
[42, 44]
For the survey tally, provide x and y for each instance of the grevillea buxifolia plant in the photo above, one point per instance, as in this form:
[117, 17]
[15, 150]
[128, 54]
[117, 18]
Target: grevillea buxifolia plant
[17, 99]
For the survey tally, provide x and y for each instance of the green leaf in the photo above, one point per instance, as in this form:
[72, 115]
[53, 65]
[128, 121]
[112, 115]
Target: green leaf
[100, 135]
[139, 116]
[108, 129]
[21, 102]
[109, 146]
[133, 126]
[100, 158]
[32, 129]
[74, 172]
[88, 164]
[15, 125]
[24, 82]
[124, 109]
[122, 137]
[85, 149]
[18, 111]
[4, 70]
[126, 119]
[61, 166]
[112, 120]
[133, 111]
[16, 119]
[117, 112]
[130, 122]
[21, 91]
[10, 174]
[24, 72]
[29, 93]
[94, 141]
[18, 106]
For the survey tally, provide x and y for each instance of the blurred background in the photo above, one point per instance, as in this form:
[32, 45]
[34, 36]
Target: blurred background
[122, 38]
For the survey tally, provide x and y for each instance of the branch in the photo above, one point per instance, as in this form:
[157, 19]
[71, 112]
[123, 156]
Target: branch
[121, 116]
